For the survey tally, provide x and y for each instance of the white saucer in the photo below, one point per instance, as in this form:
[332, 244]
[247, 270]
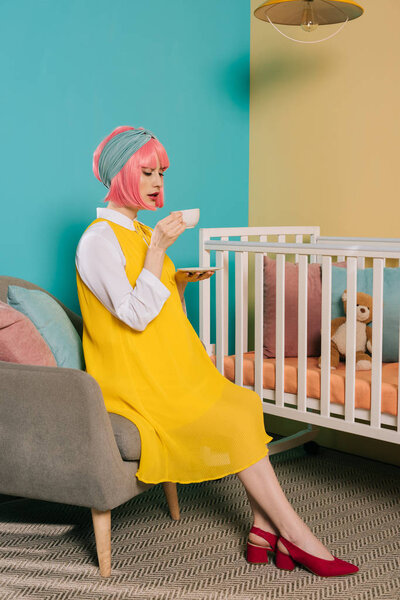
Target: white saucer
[198, 269]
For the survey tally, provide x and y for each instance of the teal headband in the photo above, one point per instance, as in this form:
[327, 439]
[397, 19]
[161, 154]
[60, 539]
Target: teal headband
[118, 151]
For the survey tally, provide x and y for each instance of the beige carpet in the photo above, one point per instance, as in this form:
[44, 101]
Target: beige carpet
[47, 550]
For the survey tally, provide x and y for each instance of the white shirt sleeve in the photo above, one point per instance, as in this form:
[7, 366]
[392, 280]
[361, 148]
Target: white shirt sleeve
[101, 266]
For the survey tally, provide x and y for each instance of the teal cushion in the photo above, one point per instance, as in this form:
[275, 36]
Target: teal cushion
[391, 303]
[52, 323]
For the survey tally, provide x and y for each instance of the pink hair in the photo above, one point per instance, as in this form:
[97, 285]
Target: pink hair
[124, 188]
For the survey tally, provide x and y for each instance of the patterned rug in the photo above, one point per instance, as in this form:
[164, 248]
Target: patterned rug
[47, 550]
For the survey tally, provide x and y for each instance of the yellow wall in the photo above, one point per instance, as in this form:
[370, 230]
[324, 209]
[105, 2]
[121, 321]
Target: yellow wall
[325, 140]
[325, 126]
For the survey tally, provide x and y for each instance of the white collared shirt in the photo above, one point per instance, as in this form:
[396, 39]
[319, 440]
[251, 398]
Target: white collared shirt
[101, 266]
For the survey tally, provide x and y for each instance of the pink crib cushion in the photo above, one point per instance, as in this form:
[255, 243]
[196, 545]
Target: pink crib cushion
[291, 310]
[20, 341]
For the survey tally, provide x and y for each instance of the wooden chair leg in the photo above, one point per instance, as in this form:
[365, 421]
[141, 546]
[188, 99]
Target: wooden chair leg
[172, 498]
[102, 531]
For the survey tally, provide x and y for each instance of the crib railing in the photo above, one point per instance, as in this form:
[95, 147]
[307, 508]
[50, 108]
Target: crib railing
[357, 241]
[299, 407]
[263, 234]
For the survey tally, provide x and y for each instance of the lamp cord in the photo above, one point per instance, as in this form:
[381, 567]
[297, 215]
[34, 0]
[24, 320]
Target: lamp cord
[308, 41]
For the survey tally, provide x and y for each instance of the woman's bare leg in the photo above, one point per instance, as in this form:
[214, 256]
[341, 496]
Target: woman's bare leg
[263, 487]
[260, 520]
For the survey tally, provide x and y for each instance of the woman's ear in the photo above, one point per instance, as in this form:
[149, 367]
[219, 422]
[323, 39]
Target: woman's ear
[344, 296]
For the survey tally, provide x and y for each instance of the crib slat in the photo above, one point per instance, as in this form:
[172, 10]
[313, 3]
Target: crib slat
[350, 338]
[313, 238]
[220, 307]
[226, 296]
[377, 329]
[326, 335]
[280, 330]
[258, 325]
[361, 262]
[259, 322]
[299, 240]
[239, 321]
[204, 295]
[341, 258]
[244, 238]
[263, 238]
[302, 335]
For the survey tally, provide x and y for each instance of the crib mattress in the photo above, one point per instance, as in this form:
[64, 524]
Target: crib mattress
[362, 385]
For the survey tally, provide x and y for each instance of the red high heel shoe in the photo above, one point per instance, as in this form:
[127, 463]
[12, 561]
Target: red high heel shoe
[259, 554]
[318, 566]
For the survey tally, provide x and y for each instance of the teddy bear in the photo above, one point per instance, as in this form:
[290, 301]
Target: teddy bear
[363, 334]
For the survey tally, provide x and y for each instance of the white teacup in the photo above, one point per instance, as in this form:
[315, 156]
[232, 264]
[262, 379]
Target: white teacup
[190, 216]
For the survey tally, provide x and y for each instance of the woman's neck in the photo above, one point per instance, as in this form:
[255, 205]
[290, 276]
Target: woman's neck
[130, 212]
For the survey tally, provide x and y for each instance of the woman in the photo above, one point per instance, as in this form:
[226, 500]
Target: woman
[194, 424]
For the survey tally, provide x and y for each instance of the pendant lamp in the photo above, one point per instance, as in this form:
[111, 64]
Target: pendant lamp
[308, 14]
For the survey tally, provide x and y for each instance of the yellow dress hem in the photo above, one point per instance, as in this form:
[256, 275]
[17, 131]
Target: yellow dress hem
[253, 462]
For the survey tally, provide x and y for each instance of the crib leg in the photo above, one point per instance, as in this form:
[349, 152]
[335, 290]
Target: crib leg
[293, 441]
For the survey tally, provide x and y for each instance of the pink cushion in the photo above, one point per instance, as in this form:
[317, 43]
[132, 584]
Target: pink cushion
[291, 311]
[20, 341]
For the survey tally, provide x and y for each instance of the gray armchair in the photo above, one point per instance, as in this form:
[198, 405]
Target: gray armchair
[58, 443]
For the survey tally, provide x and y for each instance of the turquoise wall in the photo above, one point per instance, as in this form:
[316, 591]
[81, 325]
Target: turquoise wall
[71, 72]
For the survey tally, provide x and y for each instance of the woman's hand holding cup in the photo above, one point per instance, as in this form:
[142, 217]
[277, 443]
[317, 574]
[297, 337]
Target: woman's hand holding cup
[167, 231]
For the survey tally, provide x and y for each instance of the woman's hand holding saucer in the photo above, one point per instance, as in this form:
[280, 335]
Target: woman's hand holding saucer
[187, 276]
[183, 277]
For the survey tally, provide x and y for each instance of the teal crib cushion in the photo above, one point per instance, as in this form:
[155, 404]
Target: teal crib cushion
[391, 303]
[52, 323]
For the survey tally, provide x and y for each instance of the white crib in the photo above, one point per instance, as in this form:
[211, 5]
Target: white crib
[307, 246]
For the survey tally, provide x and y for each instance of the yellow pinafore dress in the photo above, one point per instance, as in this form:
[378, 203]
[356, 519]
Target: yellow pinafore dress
[194, 424]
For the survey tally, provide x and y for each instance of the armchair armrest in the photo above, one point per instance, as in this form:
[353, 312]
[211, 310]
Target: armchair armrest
[56, 439]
